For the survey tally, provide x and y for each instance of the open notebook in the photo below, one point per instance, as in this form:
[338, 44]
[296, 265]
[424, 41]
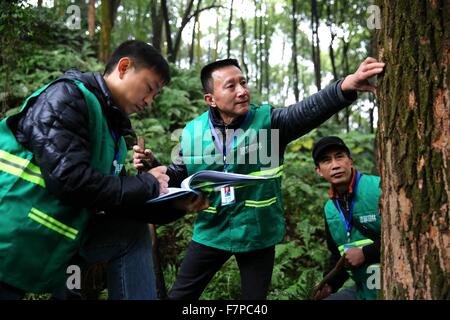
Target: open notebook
[205, 180]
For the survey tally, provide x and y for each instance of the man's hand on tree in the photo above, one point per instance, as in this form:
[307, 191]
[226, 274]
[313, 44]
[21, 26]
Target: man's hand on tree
[358, 81]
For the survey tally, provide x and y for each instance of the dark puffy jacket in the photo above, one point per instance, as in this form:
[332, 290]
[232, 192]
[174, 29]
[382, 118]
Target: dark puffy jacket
[292, 122]
[55, 129]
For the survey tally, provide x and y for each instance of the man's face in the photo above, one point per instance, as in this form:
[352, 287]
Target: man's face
[335, 166]
[231, 94]
[136, 89]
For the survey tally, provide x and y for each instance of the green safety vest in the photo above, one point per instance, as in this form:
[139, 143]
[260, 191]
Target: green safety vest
[365, 210]
[256, 220]
[39, 234]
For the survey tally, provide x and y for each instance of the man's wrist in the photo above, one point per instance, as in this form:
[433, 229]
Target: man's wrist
[349, 94]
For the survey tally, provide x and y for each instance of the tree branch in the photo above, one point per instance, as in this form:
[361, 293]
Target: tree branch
[204, 9]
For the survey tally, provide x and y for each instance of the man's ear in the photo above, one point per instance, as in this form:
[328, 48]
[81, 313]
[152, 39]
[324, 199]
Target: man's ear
[209, 99]
[319, 172]
[123, 66]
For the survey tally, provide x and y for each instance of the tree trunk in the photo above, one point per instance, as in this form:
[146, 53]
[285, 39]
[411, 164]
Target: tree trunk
[114, 5]
[157, 24]
[230, 24]
[333, 36]
[199, 45]
[260, 49]
[294, 50]
[244, 46]
[315, 42]
[168, 29]
[184, 22]
[267, 38]
[105, 34]
[413, 149]
[58, 6]
[216, 44]
[346, 69]
[256, 43]
[174, 47]
[91, 19]
[194, 33]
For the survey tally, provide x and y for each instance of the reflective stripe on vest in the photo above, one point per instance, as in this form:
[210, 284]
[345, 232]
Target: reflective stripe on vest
[21, 168]
[52, 223]
[210, 210]
[260, 204]
[355, 244]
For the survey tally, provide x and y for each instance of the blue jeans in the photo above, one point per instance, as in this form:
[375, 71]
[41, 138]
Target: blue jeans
[126, 248]
[343, 294]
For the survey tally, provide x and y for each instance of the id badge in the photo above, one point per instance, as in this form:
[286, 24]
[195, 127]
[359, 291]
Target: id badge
[227, 195]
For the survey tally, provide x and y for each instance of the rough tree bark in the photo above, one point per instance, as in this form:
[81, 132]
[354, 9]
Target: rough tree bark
[413, 149]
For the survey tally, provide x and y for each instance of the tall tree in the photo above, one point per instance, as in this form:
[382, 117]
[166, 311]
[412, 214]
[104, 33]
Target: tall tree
[217, 38]
[266, 64]
[315, 42]
[256, 41]
[331, 27]
[230, 25]
[260, 46]
[195, 32]
[91, 19]
[105, 34]
[413, 149]
[174, 39]
[157, 24]
[108, 11]
[244, 45]
[294, 49]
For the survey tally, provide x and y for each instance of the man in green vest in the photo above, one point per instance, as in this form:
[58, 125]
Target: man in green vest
[63, 188]
[237, 136]
[352, 222]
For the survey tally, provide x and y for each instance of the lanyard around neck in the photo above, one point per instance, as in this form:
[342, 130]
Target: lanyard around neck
[348, 224]
[229, 144]
[115, 162]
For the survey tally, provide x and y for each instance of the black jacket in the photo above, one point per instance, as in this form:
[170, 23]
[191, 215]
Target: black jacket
[55, 128]
[292, 122]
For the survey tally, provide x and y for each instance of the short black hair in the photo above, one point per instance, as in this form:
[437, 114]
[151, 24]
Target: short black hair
[143, 55]
[205, 74]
